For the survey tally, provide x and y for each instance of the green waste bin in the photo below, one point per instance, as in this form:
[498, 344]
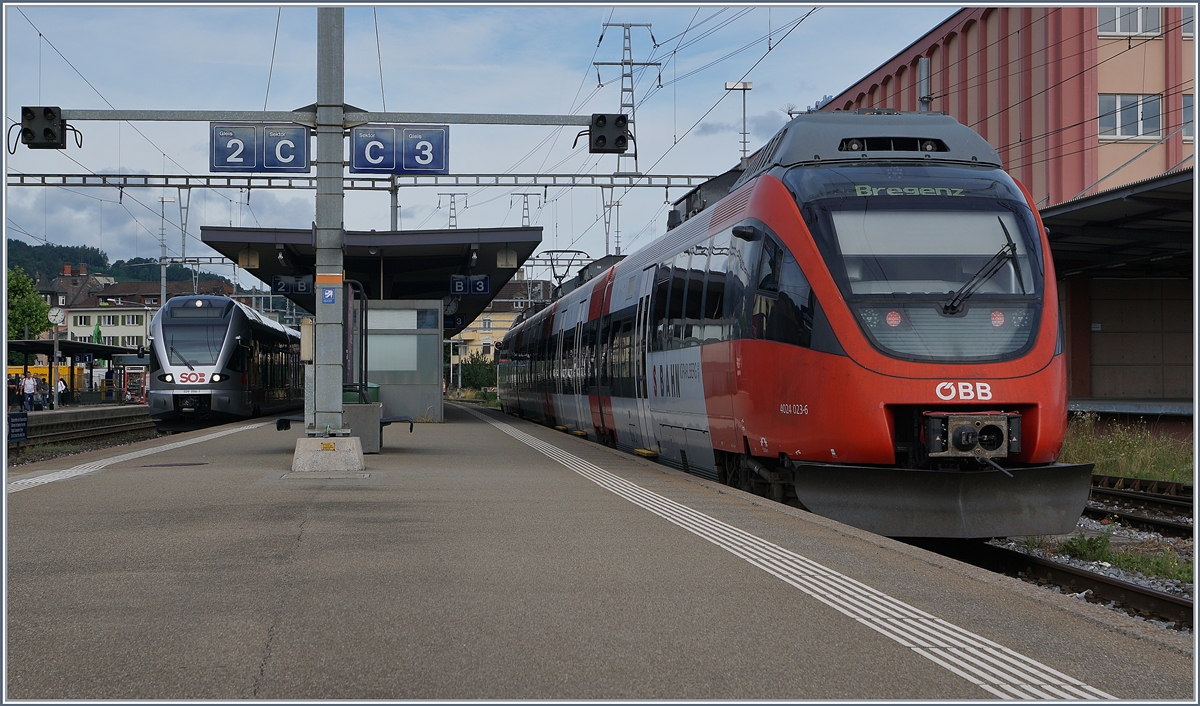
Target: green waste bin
[350, 394]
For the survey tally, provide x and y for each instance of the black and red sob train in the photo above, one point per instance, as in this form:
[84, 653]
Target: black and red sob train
[865, 326]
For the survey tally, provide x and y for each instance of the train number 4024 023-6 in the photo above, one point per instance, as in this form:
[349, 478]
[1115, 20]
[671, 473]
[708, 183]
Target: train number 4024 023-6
[786, 408]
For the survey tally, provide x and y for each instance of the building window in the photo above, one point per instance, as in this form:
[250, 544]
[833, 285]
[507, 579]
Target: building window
[518, 304]
[1130, 116]
[131, 341]
[62, 300]
[110, 340]
[1189, 18]
[486, 324]
[81, 320]
[487, 348]
[131, 320]
[1130, 20]
[151, 300]
[109, 320]
[1189, 127]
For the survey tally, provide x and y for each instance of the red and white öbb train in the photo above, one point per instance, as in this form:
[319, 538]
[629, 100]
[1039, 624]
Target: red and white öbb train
[865, 326]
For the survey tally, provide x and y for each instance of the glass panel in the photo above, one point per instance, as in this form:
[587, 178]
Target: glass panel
[675, 308]
[427, 318]
[392, 352]
[194, 345]
[928, 252]
[1107, 19]
[790, 320]
[1188, 126]
[1151, 20]
[1129, 115]
[1189, 18]
[1127, 20]
[1151, 121]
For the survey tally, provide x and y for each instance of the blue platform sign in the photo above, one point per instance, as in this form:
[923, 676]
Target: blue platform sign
[425, 150]
[453, 321]
[285, 148]
[233, 148]
[257, 147]
[328, 295]
[481, 284]
[289, 284]
[394, 149]
[470, 284]
[18, 426]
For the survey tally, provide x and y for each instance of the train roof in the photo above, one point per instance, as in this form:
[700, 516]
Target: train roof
[254, 316]
[870, 134]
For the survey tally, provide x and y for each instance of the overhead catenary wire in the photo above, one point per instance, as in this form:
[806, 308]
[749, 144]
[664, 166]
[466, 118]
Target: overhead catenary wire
[271, 70]
[110, 105]
[379, 56]
[723, 96]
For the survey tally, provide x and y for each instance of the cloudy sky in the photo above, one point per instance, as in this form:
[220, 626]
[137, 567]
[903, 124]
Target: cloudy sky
[481, 59]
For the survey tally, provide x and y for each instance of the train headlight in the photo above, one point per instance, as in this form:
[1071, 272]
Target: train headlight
[167, 378]
[218, 377]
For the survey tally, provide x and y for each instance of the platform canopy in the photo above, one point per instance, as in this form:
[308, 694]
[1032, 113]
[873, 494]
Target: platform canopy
[78, 349]
[408, 264]
[1142, 229]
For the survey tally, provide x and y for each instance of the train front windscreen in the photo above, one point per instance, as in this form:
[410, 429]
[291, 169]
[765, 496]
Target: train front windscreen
[938, 263]
[194, 332]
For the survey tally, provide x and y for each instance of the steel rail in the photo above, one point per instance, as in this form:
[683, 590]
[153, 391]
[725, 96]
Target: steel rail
[1138, 600]
[1170, 528]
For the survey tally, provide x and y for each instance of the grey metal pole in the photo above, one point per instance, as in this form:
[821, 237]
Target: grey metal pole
[395, 192]
[328, 232]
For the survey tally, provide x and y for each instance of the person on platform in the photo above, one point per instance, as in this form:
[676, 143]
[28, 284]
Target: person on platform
[62, 392]
[28, 388]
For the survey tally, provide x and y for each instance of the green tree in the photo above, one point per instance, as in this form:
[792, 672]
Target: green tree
[25, 306]
[479, 371]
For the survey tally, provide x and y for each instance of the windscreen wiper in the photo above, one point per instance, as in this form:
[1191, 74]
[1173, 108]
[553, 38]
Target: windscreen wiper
[185, 361]
[1006, 253]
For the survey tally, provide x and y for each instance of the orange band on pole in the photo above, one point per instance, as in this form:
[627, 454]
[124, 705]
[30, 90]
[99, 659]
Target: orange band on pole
[329, 279]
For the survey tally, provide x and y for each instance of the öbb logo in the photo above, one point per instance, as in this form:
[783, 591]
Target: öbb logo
[964, 390]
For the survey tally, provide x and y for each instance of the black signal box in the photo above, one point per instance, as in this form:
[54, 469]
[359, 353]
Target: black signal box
[608, 133]
[42, 128]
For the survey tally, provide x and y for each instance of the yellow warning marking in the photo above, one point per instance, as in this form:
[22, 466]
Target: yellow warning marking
[579, 432]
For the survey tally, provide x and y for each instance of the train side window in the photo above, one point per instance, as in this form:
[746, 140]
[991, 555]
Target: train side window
[769, 264]
[790, 316]
[658, 320]
[568, 360]
[237, 359]
[693, 313]
[739, 286]
[679, 277]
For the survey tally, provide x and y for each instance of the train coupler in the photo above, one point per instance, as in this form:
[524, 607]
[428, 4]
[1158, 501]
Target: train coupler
[982, 436]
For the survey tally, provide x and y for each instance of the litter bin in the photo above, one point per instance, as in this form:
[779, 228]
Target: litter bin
[350, 393]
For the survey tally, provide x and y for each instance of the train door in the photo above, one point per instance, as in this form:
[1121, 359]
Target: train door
[600, 324]
[641, 345]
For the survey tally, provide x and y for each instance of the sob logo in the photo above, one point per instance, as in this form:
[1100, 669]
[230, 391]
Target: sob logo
[964, 390]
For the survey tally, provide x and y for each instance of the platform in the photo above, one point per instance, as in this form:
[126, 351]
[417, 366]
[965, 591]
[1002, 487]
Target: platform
[490, 558]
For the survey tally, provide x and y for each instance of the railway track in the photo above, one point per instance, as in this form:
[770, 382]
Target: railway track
[1154, 506]
[1136, 600]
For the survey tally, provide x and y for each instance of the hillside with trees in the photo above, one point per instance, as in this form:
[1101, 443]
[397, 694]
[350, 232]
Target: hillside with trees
[48, 260]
